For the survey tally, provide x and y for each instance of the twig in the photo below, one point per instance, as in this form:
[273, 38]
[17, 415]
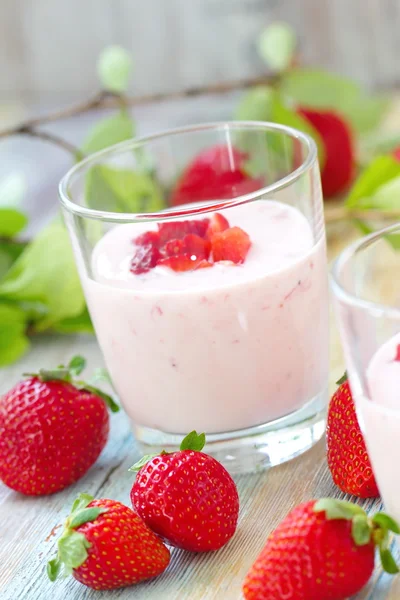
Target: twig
[53, 139]
[106, 99]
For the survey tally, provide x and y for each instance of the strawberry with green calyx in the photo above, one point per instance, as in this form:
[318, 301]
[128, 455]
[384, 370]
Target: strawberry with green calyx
[105, 546]
[324, 550]
[187, 497]
[347, 454]
[52, 429]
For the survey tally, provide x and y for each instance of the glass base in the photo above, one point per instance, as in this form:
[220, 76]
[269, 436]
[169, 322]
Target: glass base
[253, 449]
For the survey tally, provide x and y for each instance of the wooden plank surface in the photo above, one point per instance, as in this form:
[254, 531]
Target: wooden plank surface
[29, 526]
[50, 48]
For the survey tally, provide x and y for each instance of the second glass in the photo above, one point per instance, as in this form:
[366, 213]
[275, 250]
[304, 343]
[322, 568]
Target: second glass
[202, 256]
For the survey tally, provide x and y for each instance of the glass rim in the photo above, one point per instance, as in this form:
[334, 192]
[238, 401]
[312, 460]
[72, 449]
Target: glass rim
[344, 257]
[215, 204]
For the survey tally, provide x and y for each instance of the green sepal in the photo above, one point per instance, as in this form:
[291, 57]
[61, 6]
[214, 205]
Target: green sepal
[76, 365]
[58, 374]
[338, 509]
[386, 522]
[342, 379]
[53, 568]
[143, 461]
[81, 502]
[388, 563]
[193, 441]
[72, 549]
[84, 516]
[109, 400]
[361, 530]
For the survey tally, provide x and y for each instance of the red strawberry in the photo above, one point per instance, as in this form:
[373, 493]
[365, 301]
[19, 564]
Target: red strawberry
[215, 173]
[52, 429]
[232, 244]
[173, 248]
[176, 230]
[105, 545]
[323, 550]
[180, 263]
[144, 259]
[217, 224]
[336, 135]
[191, 244]
[187, 497]
[347, 454]
[148, 238]
[203, 264]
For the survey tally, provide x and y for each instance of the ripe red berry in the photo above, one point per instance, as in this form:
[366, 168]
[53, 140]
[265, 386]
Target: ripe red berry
[217, 173]
[217, 224]
[187, 497]
[105, 546]
[339, 167]
[323, 550]
[347, 454]
[232, 244]
[52, 430]
[144, 259]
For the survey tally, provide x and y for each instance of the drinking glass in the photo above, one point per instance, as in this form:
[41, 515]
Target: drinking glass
[239, 351]
[366, 285]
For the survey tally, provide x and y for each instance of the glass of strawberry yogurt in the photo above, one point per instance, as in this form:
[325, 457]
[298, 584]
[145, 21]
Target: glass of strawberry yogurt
[366, 284]
[201, 253]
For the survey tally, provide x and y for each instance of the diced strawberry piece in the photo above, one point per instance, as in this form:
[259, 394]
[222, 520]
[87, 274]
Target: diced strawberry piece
[194, 245]
[148, 238]
[180, 263]
[176, 230]
[144, 259]
[217, 224]
[203, 264]
[173, 248]
[397, 357]
[232, 244]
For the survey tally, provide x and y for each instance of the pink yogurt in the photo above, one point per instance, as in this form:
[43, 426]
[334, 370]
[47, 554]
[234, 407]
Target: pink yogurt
[222, 348]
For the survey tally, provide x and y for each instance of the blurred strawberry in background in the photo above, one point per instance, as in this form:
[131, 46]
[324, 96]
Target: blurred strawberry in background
[338, 169]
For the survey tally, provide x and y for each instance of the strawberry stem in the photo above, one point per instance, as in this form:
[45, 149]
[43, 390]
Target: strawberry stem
[364, 530]
[194, 441]
[67, 374]
[342, 379]
[72, 545]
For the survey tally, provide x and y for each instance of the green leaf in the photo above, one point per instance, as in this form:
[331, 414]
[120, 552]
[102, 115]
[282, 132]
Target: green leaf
[381, 170]
[85, 515]
[342, 379]
[386, 521]
[45, 273]
[143, 461]
[72, 549]
[76, 365]
[9, 252]
[323, 90]
[360, 530]
[286, 116]
[53, 569]
[79, 324]
[277, 45]
[194, 441]
[108, 132]
[256, 104]
[12, 221]
[117, 190]
[58, 374]
[13, 341]
[110, 402]
[388, 563]
[81, 502]
[386, 197]
[338, 509]
[114, 69]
